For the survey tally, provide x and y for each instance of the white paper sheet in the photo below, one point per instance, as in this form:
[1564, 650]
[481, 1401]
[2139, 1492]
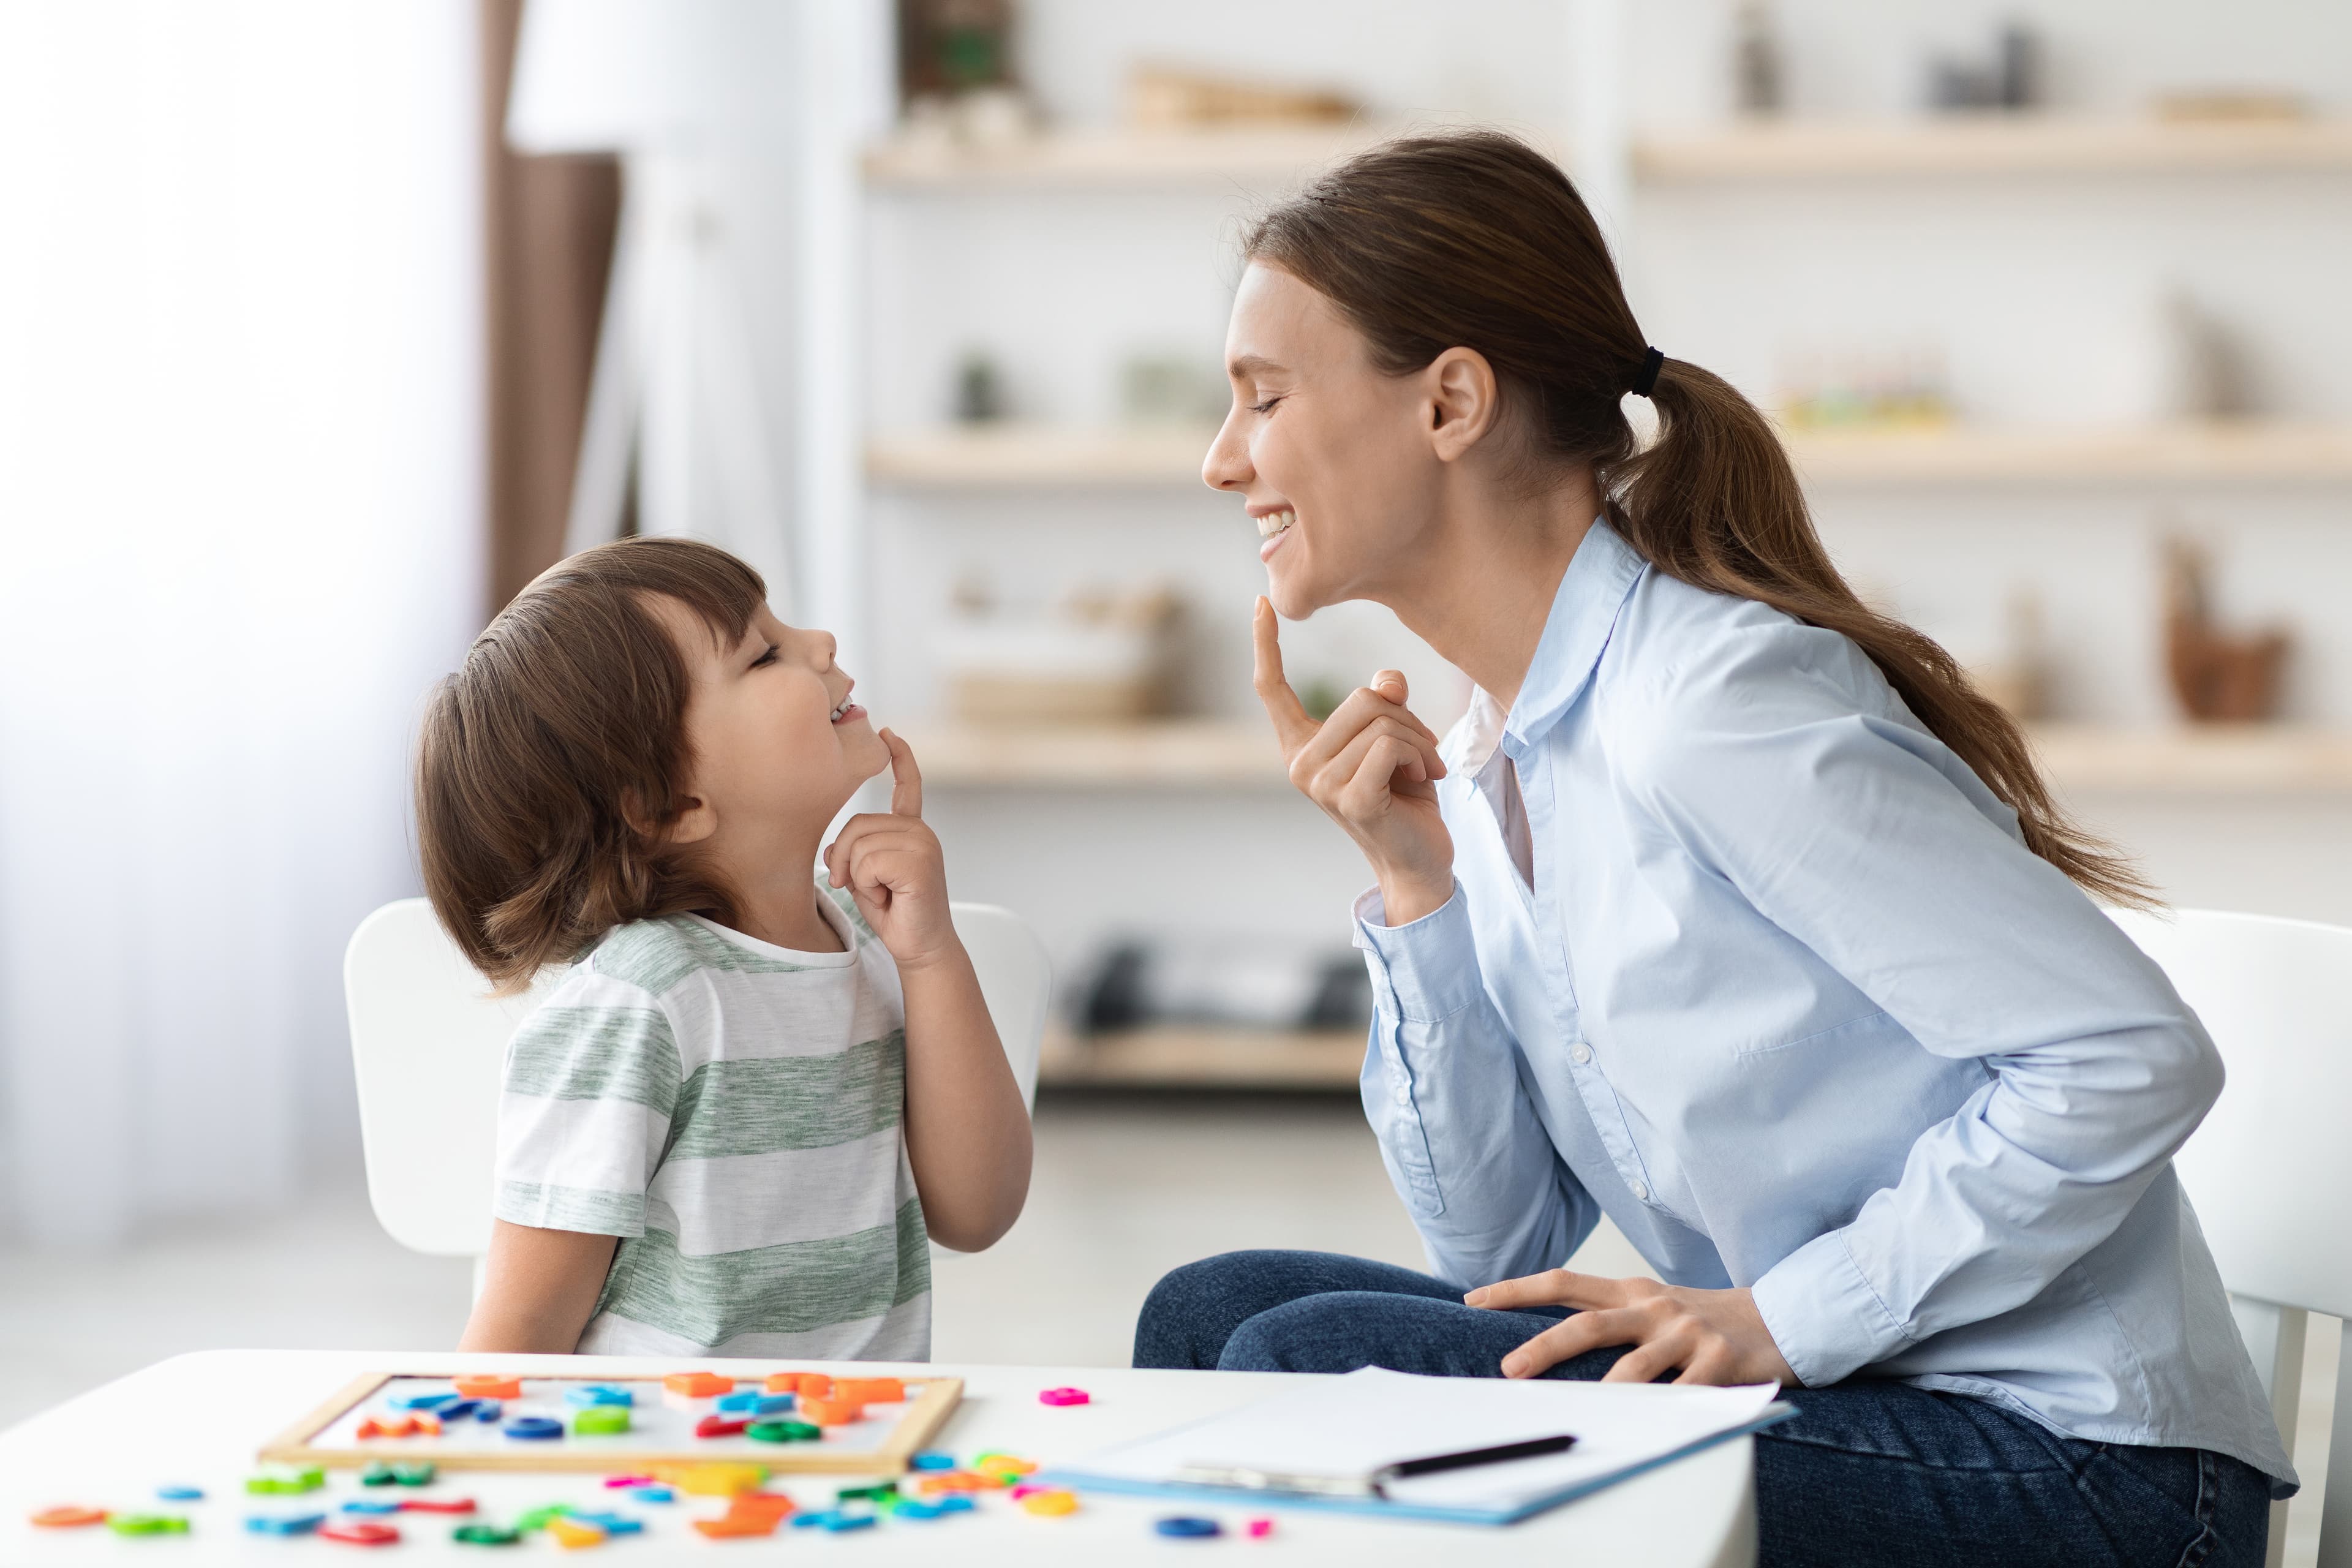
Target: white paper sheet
[1355, 1425]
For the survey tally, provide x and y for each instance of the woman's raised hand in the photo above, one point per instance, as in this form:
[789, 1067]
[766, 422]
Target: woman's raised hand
[1372, 767]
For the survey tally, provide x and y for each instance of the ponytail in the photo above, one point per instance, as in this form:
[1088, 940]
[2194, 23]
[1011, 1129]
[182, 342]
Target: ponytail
[1478, 241]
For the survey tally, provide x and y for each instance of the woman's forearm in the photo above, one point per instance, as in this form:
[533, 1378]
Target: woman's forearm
[967, 1128]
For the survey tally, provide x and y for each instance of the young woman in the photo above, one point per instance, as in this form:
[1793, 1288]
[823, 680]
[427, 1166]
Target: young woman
[1730, 912]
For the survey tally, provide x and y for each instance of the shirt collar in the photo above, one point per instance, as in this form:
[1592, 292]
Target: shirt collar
[1599, 575]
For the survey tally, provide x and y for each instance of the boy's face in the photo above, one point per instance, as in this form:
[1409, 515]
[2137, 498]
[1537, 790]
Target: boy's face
[776, 745]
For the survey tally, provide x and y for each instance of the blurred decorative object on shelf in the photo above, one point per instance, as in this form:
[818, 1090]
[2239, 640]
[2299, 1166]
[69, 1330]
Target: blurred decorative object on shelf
[2019, 678]
[2217, 677]
[1095, 657]
[1162, 98]
[1173, 389]
[2213, 371]
[2010, 78]
[1758, 88]
[979, 390]
[2233, 105]
[1229, 984]
[956, 75]
[1899, 388]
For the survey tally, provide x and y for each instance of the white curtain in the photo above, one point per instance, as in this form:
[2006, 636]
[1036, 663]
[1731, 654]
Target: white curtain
[240, 534]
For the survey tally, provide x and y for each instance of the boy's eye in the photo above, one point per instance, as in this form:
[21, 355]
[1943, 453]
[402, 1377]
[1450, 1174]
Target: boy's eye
[766, 658]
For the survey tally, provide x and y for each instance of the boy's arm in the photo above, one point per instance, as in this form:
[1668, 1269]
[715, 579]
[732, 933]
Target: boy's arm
[539, 1290]
[967, 1131]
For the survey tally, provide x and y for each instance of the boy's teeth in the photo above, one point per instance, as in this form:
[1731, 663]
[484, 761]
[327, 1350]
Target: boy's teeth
[1274, 522]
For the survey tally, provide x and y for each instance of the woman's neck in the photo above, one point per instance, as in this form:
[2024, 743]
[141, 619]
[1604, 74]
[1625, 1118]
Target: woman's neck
[1481, 592]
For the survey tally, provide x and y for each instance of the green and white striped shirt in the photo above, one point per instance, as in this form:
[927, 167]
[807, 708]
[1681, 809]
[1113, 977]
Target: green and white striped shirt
[733, 1111]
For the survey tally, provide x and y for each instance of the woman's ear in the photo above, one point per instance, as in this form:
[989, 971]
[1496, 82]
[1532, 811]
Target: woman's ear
[1463, 401]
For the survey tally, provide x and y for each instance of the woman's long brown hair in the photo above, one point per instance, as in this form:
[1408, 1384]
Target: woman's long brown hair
[1478, 241]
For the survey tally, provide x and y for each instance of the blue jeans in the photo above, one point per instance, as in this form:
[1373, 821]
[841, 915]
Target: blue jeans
[1874, 1474]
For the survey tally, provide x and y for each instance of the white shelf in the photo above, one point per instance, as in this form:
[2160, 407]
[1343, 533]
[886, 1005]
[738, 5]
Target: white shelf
[1208, 753]
[1952, 145]
[1251, 159]
[2234, 452]
[1032, 457]
[1186, 1057]
[1035, 457]
[1995, 144]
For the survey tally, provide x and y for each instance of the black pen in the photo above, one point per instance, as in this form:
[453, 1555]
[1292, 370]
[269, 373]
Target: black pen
[1500, 1454]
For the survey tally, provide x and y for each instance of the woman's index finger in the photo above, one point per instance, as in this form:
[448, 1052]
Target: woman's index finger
[1292, 726]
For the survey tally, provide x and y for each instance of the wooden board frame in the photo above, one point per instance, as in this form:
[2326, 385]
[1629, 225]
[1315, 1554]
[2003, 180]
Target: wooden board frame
[926, 1414]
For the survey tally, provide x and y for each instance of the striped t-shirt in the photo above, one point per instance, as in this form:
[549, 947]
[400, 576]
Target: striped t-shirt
[732, 1110]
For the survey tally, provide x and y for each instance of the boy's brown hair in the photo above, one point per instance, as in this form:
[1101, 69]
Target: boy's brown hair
[549, 762]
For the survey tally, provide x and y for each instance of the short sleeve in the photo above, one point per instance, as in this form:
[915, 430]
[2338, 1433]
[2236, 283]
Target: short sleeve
[592, 1079]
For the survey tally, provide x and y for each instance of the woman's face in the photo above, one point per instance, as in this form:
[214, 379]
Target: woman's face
[1333, 456]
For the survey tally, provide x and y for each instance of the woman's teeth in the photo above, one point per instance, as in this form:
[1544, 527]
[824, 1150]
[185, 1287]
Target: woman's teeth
[1274, 522]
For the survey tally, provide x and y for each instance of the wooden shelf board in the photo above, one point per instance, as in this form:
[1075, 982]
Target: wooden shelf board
[1162, 753]
[2234, 451]
[1035, 457]
[1025, 457]
[1211, 753]
[1270, 157]
[1182, 1057]
[1993, 144]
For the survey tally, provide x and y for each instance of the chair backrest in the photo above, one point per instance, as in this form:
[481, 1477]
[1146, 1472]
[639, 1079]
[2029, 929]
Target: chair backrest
[2269, 1171]
[428, 1045]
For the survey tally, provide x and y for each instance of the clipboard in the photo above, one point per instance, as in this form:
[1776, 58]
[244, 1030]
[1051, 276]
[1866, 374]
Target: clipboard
[1372, 1418]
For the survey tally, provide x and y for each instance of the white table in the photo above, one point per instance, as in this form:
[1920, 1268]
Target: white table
[198, 1419]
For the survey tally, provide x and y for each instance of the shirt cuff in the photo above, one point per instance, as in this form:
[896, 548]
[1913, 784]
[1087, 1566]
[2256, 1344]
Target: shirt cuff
[1824, 1316]
[1425, 972]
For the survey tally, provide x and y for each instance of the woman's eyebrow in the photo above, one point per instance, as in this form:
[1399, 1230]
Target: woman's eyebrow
[1249, 366]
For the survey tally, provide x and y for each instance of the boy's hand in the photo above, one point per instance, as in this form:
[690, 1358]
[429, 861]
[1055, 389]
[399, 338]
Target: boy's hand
[892, 867]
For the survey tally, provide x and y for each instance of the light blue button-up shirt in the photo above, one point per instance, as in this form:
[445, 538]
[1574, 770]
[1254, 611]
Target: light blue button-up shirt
[1773, 983]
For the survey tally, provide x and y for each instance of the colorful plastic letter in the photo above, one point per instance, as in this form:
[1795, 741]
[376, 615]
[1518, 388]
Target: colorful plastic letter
[481, 1385]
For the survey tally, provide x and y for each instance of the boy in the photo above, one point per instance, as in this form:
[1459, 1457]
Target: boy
[736, 1123]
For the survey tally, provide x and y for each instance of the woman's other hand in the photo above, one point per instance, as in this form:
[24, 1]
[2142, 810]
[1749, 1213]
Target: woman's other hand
[1373, 768]
[1712, 1336]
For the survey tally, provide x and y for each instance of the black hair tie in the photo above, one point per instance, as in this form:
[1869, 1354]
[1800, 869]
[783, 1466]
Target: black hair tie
[1645, 380]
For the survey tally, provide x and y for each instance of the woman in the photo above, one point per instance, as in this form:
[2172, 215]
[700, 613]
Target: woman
[1731, 910]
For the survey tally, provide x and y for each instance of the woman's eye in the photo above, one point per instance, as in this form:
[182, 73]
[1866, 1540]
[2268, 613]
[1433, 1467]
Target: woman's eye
[1265, 407]
[766, 658]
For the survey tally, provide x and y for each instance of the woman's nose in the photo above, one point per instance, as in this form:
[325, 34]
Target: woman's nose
[1227, 466]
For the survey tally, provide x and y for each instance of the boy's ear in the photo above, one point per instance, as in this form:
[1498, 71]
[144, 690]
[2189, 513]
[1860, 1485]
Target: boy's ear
[695, 821]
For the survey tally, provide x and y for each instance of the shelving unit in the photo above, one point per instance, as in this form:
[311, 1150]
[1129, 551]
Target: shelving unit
[1033, 456]
[2262, 759]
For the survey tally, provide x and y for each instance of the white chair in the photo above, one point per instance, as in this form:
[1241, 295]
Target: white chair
[2269, 1171]
[428, 1044]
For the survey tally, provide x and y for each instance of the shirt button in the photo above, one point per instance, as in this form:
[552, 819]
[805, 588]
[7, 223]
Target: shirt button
[1640, 1193]
[1580, 1054]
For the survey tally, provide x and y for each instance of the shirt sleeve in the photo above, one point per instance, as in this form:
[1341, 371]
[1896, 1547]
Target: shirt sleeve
[592, 1079]
[1870, 841]
[1462, 1141]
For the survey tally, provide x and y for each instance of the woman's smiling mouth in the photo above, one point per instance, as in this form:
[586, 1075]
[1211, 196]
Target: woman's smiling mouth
[1271, 527]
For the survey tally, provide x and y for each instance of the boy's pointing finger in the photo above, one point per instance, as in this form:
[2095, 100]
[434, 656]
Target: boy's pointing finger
[906, 778]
